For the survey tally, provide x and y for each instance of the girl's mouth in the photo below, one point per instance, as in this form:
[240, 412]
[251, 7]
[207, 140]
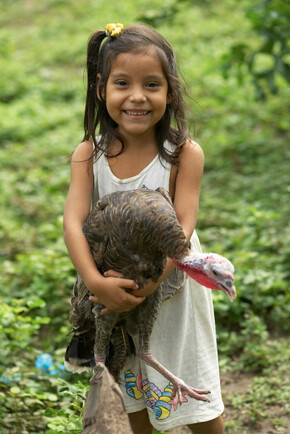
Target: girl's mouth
[135, 114]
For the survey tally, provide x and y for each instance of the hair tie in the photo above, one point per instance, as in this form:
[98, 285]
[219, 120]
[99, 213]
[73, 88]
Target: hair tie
[114, 29]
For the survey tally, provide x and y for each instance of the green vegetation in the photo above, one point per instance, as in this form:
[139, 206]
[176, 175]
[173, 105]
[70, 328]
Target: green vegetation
[243, 207]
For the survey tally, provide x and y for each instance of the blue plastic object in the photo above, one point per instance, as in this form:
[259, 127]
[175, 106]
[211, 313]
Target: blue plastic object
[44, 363]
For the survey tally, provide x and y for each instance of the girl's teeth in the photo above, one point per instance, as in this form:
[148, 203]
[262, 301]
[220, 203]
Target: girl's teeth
[136, 114]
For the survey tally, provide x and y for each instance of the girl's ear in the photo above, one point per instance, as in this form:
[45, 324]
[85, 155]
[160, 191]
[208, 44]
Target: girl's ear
[169, 99]
[100, 95]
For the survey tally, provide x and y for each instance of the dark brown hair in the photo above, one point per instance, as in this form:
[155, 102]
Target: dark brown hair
[100, 56]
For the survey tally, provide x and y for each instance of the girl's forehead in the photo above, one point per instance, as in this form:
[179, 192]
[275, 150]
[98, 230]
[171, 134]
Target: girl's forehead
[143, 60]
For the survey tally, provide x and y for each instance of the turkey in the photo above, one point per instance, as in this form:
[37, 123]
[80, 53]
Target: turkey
[133, 232]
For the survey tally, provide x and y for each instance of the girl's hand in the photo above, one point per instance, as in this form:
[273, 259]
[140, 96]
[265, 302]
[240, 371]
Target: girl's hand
[142, 292]
[147, 289]
[115, 293]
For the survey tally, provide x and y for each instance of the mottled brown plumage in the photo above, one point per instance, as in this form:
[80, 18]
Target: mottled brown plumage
[133, 232]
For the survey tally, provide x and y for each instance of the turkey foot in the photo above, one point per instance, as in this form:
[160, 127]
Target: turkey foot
[180, 388]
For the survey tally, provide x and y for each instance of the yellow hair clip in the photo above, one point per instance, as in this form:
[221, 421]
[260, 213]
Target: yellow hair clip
[113, 29]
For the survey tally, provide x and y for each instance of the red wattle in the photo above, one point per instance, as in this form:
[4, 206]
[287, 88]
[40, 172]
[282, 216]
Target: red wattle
[201, 278]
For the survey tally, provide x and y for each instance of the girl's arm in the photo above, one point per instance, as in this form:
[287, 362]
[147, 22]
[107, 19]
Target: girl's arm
[110, 291]
[186, 200]
[187, 188]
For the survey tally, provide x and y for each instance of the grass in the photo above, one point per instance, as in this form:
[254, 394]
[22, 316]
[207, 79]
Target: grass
[243, 207]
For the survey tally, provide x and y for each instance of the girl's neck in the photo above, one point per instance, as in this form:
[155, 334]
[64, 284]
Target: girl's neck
[136, 156]
[134, 144]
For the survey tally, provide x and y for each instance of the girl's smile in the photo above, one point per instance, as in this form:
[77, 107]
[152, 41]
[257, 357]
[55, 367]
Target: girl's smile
[135, 113]
[136, 93]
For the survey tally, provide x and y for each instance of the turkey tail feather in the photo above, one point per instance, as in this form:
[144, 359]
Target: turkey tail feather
[121, 346]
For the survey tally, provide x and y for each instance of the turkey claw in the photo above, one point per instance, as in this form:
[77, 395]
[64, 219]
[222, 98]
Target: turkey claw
[181, 389]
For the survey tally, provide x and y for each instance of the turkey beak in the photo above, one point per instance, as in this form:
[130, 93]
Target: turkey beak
[229, 289]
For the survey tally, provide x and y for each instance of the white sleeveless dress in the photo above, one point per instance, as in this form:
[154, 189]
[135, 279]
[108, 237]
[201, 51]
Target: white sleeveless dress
[183, 337]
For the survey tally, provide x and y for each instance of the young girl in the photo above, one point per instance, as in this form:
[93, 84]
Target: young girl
[133, 95]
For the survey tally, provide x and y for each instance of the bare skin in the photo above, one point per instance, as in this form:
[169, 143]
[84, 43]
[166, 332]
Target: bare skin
[141, 425]
[215, 426]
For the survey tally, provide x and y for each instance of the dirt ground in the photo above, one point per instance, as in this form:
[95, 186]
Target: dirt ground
[232, 382]
[229, 384]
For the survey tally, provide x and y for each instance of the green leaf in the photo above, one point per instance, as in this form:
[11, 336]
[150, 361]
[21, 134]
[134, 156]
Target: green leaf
[36, 303]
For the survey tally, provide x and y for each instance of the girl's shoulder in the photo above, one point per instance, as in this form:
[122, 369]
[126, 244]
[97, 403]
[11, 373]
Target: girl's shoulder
[83, 152]
[191, 153]
[189, 167]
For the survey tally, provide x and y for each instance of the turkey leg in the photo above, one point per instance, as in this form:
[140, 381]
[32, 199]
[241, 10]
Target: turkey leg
[180, 388]
[148, 314]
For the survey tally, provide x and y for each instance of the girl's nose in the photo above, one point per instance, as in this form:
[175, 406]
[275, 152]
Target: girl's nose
[137, 96]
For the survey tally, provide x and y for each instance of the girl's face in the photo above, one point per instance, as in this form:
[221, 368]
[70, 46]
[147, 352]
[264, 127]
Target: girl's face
[136, 93]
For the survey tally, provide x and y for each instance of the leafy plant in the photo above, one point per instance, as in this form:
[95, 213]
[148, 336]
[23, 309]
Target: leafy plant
[270, 20]
[68, 417]
[18, 326]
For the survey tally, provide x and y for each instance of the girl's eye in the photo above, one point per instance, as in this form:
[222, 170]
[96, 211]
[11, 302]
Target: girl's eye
[121, 83]
[152, 84]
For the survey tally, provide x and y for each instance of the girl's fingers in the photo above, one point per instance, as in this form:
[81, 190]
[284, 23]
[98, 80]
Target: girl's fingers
[93, 299]
[112, 273]
[132, 302]
[129, 284]
[124, 283]
[105, 311]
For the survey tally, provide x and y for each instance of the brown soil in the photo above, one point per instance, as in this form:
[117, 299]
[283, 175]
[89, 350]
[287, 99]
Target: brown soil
[232, 382]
